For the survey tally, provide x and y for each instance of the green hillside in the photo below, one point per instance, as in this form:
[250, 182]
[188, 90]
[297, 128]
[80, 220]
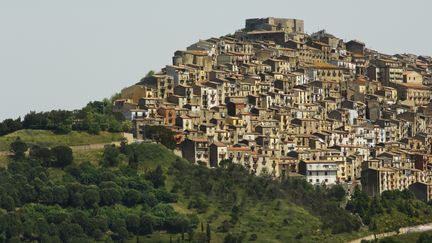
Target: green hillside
[144, 193]
[49, 138]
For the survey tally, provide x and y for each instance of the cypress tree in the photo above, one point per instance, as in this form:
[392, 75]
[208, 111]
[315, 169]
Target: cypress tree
[208, 233]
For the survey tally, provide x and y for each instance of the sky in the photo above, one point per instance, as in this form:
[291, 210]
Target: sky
[57, 54]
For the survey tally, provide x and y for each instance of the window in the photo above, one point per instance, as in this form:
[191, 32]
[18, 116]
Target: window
[310, 180]
[326, 180]
[325, 173]
[310, 172]
[317, 180]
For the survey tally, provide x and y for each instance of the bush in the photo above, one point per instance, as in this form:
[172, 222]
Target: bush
[9, 126]
[253, 237]
[63, 156]
[19, 148]
[199, 203]
[111, 156]
[156, 176]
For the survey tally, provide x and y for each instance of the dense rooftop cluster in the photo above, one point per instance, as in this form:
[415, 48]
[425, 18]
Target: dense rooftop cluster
[286, 103]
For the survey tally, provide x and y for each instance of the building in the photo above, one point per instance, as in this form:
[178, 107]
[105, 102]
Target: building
[274, 24]
[319, 172]
[284, 103]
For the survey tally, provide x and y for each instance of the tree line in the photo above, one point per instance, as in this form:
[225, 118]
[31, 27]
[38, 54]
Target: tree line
[95, 117]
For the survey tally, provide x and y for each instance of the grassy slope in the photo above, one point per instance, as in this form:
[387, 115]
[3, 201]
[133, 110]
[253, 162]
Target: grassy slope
[48, 138]
[270, 224]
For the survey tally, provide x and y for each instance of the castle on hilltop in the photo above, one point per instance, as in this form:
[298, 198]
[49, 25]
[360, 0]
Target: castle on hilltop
[275, 24]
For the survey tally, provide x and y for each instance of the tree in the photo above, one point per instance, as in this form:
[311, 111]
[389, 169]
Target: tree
[208, 233]
[91, 197]
[133, 161]
[150, 73]
[115, 97]
[7, 202]
[34, 120]
[115, 126]
[253, 237]
[110, 196]
[118, 227]
[69, 230]
[19, 148]
[337, 192]
[199, 237]
[63, 156]
[9, 126]
[133, 223]
[200, 203]
[110, 156]
[42, 154]
[126, 126]
[233, 238]
[132, 197]
[424, 238]
[146, 224]
[149, 199]
[94, 128]
[64, 127]
[60, 195]
[156, 177]
[160, 134]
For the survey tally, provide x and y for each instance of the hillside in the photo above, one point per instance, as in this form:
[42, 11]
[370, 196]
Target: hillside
[49, 138]
[230, 208]
[144, 193]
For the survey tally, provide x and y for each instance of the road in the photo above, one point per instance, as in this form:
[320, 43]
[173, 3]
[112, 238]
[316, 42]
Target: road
[405, 230]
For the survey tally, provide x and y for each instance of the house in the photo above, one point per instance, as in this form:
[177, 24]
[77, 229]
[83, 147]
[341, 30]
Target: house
[136, 92]
[376, 180]
[386, 71]
[208, 95]
[218, 151]
[196, 150]
[423, 191]
[278, 65]
[355, 46]
[319, 172]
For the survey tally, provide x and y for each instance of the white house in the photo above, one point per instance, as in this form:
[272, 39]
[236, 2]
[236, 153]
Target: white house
[318, 172]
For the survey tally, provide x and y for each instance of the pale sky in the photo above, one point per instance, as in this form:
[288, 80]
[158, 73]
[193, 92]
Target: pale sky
[57, 54]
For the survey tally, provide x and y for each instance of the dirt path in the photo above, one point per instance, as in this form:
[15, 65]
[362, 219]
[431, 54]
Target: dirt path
[405, 230]
[93, 146]
[5, 153]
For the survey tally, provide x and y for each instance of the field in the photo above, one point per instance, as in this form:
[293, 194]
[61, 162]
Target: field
[49, 138]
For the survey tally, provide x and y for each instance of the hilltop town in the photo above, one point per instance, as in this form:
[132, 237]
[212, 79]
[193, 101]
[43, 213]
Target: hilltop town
[285, 103]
